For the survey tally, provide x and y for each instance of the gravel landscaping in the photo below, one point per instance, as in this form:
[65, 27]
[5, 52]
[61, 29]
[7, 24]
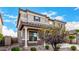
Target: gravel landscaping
[63, 47]
[66, 47]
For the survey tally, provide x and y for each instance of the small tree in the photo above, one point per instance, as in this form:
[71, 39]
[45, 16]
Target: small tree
[77, 30]
[55, 40]
[71, 37]
[1, 40]
[54, 37]
[1, 36]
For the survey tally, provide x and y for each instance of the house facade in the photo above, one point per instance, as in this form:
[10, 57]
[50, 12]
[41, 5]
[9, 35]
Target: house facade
[1, 23]
[31, 27]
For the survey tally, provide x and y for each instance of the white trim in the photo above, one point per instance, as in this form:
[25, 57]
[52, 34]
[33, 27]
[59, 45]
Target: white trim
[26, 37]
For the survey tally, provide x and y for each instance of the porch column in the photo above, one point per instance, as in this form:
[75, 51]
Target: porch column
[44, 37]
[26, 37]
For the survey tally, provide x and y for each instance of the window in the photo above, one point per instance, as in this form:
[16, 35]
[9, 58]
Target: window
[36, 18]
[32, 36]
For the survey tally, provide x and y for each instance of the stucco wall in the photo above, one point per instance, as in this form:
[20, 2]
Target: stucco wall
[42, 18]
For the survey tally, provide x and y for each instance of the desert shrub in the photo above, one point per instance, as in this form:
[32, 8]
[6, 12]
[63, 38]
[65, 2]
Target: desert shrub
[47, 47]
[33, 49]
[73, 48]
[15, 49]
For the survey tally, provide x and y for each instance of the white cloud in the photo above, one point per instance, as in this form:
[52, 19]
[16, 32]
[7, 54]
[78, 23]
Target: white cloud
[72, 25]
[10, 21]
[2, 12]
[50, 13]
[10, 16]
[76, 8]
[59, 18]
[8, 32]
[7, 20]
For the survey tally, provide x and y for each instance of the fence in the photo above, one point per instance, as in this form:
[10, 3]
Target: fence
[2, 43]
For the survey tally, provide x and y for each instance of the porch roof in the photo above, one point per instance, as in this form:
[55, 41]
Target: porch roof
[37, 25]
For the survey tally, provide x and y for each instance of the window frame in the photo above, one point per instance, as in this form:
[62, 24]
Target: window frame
[32, 37]
[37, 19]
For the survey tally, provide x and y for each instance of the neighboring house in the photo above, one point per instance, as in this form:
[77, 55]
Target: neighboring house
[30, 25]
[73, 33]
[1, 23]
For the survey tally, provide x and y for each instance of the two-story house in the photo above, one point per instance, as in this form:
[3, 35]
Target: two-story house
[1, 24]
[30, 26]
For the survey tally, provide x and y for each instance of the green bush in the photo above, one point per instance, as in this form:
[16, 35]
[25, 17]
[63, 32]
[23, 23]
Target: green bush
[33, 49]
[1, 37]
[47, 47]
[15, 49]
[73, 48]
[77, 30]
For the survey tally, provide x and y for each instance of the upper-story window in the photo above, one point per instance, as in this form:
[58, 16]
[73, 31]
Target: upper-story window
[36, 18]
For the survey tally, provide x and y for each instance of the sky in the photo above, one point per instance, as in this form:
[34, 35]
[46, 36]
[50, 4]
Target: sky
[70, 15]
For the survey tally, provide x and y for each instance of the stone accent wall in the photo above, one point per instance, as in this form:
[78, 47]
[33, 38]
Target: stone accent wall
[40, 42]
[73, 42]
[77, 41]
[67, 41]
[35, 43]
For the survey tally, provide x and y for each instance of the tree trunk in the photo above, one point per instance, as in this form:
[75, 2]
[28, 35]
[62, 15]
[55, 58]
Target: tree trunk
[54, 46]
